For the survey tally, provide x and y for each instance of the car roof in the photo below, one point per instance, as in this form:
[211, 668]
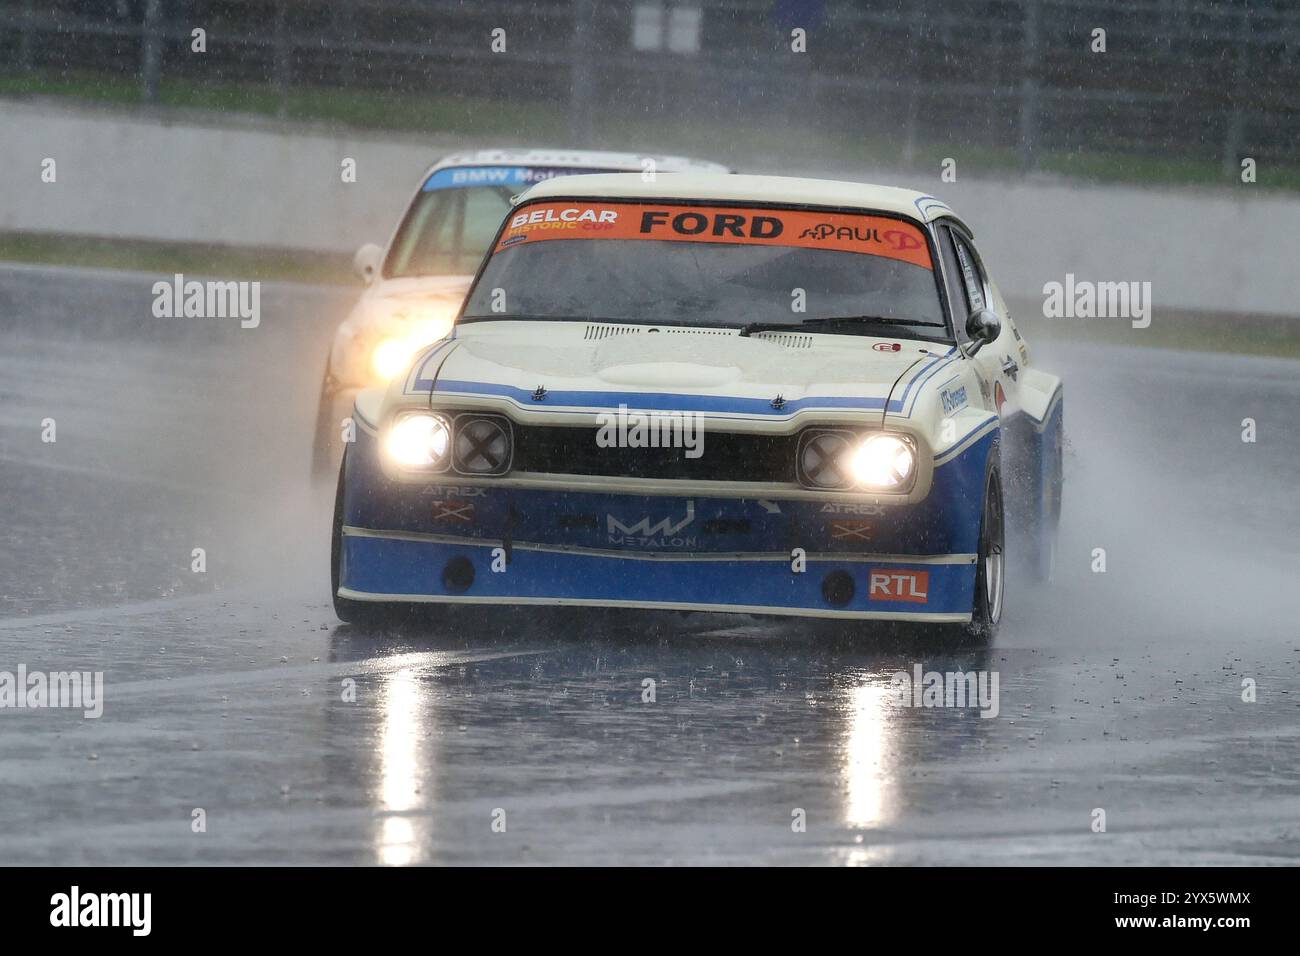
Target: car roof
[744, 189]
[576, 159]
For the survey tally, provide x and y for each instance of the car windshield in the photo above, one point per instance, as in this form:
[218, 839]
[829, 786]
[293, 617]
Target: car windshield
[451, 223]
[709, 265]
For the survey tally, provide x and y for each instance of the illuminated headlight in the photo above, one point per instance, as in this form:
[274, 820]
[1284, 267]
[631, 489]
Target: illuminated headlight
[419, 440]
[393, 354]
[884, 462]
[848, 461]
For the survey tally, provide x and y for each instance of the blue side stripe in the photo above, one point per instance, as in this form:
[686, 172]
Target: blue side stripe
[921, 377]
[659, 401]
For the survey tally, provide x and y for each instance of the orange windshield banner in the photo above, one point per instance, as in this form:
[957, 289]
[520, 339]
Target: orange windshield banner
[840, 232]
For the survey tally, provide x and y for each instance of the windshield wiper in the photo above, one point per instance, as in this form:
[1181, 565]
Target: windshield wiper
[886, 320]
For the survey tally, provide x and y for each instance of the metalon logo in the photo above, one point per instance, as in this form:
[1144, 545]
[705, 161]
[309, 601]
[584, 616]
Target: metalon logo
[644, 528]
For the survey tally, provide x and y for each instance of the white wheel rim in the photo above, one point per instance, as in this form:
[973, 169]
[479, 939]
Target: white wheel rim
[994, 560]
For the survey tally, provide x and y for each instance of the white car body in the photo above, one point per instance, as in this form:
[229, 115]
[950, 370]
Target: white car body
[727, 532]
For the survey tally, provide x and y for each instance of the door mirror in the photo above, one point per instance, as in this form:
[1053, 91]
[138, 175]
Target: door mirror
[366, 262]
[983, 327]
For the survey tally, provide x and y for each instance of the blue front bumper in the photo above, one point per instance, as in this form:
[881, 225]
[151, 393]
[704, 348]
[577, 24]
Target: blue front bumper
[389, 567]
[486, 544]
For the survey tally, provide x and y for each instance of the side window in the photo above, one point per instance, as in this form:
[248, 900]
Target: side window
[484, 210]
[956, 287]
[971, 274]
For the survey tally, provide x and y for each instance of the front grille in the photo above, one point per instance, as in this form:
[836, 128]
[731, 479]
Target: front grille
[727, 456]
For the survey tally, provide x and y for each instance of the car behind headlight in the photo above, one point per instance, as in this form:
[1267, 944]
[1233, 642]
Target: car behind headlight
[391, 356]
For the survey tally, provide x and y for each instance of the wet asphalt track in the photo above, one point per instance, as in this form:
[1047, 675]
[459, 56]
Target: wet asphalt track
[1119, 691]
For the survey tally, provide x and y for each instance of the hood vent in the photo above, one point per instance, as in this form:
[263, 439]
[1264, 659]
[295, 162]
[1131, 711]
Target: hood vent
[789, 340]
[594, 332]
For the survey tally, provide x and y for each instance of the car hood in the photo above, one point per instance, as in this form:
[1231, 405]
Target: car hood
[715, 371]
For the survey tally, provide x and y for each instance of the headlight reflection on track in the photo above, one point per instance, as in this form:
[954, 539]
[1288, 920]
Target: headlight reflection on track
[865, 750]
[400, 769]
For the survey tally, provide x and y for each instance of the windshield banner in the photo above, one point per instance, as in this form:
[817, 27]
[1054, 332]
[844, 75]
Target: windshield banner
[839, 232]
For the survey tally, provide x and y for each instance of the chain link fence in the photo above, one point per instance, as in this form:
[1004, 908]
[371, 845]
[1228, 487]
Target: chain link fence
[1181, 79]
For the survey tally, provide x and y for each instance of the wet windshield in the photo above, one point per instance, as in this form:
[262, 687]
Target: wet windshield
[450, 224]
[705, 265]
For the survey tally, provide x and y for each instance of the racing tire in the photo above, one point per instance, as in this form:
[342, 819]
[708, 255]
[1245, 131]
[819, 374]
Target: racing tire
[990, 566]
[349, 611]
[322, 451]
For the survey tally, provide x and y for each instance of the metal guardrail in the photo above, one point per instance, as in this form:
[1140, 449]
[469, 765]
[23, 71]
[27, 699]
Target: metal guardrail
[1190, 78]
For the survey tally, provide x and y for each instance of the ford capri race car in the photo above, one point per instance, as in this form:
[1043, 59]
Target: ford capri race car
[416, 284]
[723, 393]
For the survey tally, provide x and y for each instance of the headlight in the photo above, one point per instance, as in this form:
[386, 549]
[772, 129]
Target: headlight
[883, 461]
[847, 461]
[822, 459]
[393, 354]
[483, 445]
[419, 441]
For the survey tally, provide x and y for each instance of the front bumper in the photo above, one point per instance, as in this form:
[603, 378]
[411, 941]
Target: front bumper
[451, 540]
[412, 568]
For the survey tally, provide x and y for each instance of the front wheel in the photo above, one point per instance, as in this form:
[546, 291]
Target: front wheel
[990, 569]
[349, 611]
[322, 450]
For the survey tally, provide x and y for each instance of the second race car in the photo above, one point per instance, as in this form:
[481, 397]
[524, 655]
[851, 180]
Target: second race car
[416, 283]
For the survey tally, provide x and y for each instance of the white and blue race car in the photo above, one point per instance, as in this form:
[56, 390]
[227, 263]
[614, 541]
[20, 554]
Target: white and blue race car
[720, 393]
[415, 284]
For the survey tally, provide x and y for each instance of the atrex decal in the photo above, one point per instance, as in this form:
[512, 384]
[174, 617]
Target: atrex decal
[839, 232]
